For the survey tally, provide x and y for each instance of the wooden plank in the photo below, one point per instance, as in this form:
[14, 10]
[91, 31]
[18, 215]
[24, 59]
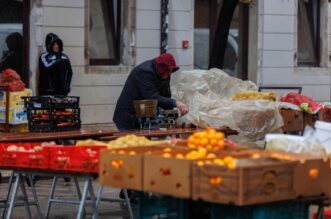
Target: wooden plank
[46, 136]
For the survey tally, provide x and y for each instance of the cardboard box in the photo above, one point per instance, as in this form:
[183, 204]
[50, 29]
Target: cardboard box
[16, 115]
[16, 128]
[293, 120]
[15, 99]
[128, 173]
[168, 176]
[252, 182]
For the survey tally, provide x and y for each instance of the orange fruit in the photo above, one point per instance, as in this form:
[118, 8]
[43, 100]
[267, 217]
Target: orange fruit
[213, 141]
[220, 144]
[313, 173]
[191, 139]
[219, 136]
[204, 142]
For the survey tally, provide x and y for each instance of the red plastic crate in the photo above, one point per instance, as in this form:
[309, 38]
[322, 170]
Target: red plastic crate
[75, 159]
[327, 214]
[24, 159]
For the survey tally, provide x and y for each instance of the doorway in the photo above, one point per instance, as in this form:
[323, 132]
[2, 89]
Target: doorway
[205, 24]
[14, 37]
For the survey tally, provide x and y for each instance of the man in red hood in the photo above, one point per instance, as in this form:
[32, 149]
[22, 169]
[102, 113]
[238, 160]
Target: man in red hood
[148, 80]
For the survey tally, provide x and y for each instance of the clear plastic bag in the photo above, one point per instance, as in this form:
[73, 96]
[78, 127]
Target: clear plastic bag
[208, 96]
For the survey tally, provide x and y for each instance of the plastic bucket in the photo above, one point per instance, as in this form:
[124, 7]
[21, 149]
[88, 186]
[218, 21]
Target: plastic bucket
[323, 134]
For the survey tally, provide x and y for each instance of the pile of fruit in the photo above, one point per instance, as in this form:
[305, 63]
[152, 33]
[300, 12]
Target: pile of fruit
[121, 142]
[209, 139]
[254, 95]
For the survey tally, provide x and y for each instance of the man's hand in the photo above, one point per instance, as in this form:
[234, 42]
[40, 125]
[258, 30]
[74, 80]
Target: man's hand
[182, 108]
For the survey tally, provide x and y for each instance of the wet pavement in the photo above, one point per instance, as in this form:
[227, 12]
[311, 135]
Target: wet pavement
[67, 191]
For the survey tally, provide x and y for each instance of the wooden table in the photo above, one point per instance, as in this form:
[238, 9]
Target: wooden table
[48, 136]
[161, 133]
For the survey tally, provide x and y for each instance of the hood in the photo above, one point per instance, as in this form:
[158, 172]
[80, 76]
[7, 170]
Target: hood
[51, 38]
[14, 41]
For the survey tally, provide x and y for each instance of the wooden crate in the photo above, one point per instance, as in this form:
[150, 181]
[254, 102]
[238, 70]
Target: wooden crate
[293, 120]
[253, 181]
[168, 176]
[129, 174]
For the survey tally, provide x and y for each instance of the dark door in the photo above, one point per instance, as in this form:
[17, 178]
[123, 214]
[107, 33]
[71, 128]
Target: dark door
[205, 25]
[14, 36]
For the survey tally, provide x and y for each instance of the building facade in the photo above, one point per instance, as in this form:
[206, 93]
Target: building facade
[106, 39]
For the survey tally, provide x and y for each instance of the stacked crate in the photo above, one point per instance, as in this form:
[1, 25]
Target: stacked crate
[49, 113]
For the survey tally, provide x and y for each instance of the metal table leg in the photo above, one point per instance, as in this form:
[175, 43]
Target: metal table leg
[10, 184]
[84, 197]
[50, 198]
[97, 204]
[35, 197]
[25, 196]
[13, 198]
[127, 200]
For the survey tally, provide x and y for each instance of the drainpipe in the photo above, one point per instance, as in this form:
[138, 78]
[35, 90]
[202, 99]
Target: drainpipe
[164, 25]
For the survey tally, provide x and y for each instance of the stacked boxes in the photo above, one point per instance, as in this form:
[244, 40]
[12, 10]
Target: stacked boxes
[49, 113]
[16, 114]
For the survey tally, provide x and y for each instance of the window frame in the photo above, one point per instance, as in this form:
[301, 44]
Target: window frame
[317, 44]
[115, 32]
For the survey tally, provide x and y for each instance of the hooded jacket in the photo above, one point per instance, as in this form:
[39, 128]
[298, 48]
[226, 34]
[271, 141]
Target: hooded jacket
[55, 72]
[143, 82]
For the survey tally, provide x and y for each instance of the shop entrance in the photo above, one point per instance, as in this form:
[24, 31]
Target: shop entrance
[206, 33]
[14, 37]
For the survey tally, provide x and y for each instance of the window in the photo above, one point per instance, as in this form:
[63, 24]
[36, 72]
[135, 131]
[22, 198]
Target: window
[308, 32]
[14, 37]
[104, 32]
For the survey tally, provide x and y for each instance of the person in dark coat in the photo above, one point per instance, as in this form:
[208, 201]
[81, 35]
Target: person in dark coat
[55, 72]
[13, 58]
[148, 80]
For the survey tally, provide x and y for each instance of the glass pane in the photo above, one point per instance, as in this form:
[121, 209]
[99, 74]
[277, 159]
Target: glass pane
[101, 38]
[232, 48]
[307, 32]
[11, 39]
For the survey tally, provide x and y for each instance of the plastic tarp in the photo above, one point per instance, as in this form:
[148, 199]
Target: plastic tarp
[208, 95]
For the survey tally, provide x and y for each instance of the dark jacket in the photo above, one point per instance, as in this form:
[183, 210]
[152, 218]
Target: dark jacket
[142, 83]
[55, 70]
[13, 58]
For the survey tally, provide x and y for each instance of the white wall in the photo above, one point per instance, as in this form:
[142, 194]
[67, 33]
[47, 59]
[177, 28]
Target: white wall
[181, 22]
[100, 86]
[277, 47]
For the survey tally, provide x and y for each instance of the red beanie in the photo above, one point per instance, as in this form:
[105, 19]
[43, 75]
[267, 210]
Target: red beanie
[166, 64]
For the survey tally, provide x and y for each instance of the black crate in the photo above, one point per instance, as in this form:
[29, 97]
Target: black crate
[39, 102]
[52, 119]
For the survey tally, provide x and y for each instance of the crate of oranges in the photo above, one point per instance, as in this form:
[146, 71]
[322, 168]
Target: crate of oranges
[244, 178]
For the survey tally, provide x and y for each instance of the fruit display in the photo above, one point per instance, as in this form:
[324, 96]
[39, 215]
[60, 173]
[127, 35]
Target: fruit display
[121, 142]
[254, 95]
[209, 139]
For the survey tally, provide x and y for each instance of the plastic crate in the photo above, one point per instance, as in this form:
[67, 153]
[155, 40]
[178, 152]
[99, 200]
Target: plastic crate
[29, 158]
[75, 159]
[37, 102]
[160, 206]
[283, 210]
[52, 119]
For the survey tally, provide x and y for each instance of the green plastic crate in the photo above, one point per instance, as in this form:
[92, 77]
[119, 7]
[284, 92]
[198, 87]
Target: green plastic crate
[160, 206]
[279, 210]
